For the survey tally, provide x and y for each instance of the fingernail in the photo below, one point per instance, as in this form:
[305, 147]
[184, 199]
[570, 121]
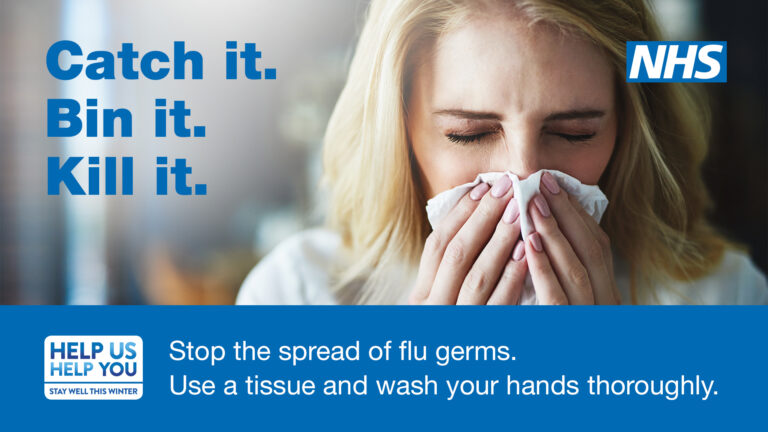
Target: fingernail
[550, 183]
[511, 212]
[541, 204]
[478, 191]
[535, 240]
[501, 187]
[519, 252]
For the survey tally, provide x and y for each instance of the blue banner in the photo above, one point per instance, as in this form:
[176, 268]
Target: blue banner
[398, 368]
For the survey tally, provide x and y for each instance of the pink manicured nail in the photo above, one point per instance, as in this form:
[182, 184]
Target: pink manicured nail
[519, 252]
[541, 204]
[535, 240]
[550, 183]
[478, 191]
[511, 212]
[501, 187]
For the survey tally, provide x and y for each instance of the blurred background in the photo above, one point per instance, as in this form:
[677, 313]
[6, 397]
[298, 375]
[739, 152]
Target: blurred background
[260, 156]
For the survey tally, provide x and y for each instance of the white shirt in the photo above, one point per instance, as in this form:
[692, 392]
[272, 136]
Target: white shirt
[298, 270]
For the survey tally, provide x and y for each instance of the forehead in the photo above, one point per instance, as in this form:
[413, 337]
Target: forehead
[501, 64]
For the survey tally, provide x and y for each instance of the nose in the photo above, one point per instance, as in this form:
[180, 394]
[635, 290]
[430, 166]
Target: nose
[522, 155]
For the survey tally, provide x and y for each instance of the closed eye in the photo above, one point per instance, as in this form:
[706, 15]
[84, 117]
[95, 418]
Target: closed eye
[575, 138]
[466, 139]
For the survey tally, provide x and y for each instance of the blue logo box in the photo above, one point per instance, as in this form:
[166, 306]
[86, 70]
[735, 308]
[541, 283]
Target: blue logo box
[675, 61]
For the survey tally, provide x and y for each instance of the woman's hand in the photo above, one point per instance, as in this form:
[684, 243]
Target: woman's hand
[569, 255]
[469, 257]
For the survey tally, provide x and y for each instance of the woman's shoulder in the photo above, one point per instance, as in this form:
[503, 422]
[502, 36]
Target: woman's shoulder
[296, 271]
[736, 280]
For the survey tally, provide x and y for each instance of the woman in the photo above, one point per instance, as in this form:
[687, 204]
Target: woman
[439, 91]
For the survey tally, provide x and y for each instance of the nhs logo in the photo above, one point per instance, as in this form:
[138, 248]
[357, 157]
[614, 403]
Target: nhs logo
[677, 62]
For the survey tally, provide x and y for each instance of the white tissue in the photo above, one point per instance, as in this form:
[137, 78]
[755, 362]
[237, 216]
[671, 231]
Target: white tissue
[591, 198]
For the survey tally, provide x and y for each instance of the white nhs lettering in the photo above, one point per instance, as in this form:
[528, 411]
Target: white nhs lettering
[698, 61]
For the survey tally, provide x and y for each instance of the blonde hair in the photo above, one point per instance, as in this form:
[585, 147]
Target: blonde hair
[656, 219]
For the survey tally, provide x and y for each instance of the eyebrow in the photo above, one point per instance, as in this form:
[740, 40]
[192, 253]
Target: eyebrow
[575, 115]
[562, 115]
[471, 115]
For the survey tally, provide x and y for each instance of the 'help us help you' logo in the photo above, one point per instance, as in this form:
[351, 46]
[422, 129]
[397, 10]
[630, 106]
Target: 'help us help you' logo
[93, 367]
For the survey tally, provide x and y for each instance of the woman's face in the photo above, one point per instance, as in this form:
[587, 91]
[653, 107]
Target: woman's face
[496, 95]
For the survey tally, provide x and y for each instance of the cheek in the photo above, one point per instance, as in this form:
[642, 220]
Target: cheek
[443, 165]
[588, 163]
